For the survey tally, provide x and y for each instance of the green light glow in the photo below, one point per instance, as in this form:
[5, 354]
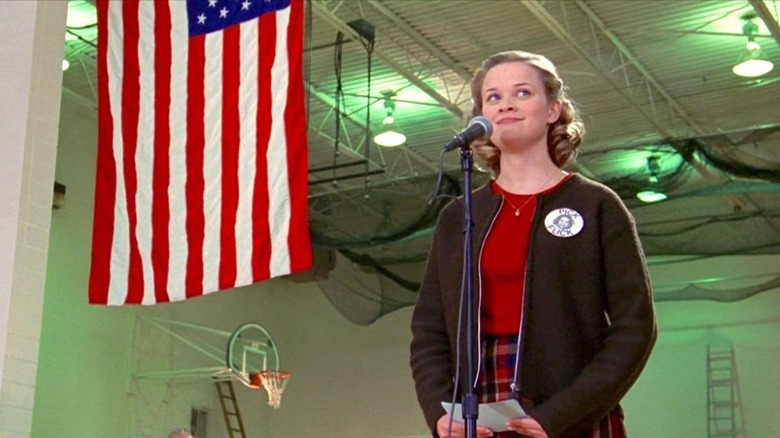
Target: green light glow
[81, 14]
[753, 67]
[650, 196]
[390, 138]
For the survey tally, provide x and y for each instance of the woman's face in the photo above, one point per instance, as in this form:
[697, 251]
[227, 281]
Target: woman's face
[514, 99]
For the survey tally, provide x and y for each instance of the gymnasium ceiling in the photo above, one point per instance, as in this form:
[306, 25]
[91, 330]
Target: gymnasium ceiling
[652, 78]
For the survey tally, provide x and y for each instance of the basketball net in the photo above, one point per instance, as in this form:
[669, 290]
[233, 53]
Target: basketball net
[274, 382]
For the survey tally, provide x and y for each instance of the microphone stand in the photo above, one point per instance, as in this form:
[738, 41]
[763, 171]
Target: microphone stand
[470, 406]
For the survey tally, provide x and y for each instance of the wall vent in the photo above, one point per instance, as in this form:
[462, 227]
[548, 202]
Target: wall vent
[198, 422]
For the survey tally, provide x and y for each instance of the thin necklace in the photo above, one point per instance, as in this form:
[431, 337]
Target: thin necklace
[530, 197]
[517, 209]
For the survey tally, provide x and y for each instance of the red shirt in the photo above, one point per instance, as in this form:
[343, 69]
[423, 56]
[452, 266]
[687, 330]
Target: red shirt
[503, 262]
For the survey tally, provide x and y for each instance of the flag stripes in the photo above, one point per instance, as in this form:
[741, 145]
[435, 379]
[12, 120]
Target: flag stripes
[201, 179]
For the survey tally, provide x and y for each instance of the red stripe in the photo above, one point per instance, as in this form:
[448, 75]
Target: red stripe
[231, 138]
[105, 182]
[162, 138]
[261, 234]
[194, 132]
[130, 113]
[196, 144]
[616, 427]
[297, 157]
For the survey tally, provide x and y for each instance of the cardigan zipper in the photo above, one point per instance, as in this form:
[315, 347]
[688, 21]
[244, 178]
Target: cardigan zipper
[515, 385]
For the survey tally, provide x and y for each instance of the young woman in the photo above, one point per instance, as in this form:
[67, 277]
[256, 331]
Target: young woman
[564, 313]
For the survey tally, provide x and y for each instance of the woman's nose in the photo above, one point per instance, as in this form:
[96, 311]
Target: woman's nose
[506, 105]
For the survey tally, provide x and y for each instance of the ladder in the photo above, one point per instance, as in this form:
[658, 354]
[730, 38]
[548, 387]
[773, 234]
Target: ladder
[725, 416]
[227, 399]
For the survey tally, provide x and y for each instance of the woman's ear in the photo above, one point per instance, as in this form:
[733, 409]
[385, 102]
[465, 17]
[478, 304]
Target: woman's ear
[555, 111]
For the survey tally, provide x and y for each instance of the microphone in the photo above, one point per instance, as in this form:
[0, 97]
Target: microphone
[479, 128]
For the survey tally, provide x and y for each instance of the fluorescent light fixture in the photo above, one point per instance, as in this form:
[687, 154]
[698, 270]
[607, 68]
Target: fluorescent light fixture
[752, 64]
[650, 196]
[389, 136]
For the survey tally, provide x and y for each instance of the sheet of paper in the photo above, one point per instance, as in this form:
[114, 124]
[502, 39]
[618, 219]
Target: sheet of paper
[492, 415]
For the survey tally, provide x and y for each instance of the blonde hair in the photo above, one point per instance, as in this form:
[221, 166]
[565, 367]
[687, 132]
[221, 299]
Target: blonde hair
[564, 135]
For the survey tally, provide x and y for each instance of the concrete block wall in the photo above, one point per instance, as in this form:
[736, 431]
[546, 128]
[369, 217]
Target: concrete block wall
[30, 89]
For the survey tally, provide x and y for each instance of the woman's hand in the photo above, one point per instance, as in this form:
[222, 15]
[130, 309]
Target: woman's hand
[458, 429]
[526, 426]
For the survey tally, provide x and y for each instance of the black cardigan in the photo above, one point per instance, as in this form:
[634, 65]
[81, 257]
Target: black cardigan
[589, 323]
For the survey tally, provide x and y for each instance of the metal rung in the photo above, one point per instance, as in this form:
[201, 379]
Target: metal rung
[230, 411]
[720, 356]
[724, 412]
[719, 404]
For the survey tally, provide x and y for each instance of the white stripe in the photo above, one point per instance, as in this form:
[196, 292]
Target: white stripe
[279, 211]
[144, 156]
[120, 254]
[212, 165]
[177, 227]
[247, 159]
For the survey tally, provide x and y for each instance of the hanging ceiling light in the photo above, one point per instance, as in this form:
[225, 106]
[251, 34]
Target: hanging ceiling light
[653, 192]
[389, 135]
[752, 64]
[650, 196]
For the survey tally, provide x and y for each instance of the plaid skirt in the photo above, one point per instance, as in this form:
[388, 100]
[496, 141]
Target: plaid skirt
[498, 369]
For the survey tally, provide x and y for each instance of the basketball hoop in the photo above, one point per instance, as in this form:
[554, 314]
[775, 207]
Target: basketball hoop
[274, 382]
[253, 360]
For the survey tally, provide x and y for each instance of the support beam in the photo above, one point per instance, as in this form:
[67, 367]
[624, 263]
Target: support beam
[630, 67]
[769, 20]
[322, 11]
[424, 42]
[546, 18]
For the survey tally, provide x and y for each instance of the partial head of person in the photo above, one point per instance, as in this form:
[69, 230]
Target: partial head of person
[564, 222]
[180, 433]
[524, 97]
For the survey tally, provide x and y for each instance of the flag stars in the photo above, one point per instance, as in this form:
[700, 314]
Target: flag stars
[206, 16]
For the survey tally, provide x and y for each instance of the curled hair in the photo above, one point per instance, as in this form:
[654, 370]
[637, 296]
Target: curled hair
[564, 135]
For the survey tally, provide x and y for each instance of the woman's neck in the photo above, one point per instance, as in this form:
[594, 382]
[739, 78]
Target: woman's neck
[526, 173]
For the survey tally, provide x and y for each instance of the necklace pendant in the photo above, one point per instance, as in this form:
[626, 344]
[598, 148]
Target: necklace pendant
[517, 212]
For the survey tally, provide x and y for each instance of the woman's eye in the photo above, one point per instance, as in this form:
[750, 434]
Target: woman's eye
[523, 92]
[492, 97]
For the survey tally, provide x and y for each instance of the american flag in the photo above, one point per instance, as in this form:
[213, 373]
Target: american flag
[202, 152]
